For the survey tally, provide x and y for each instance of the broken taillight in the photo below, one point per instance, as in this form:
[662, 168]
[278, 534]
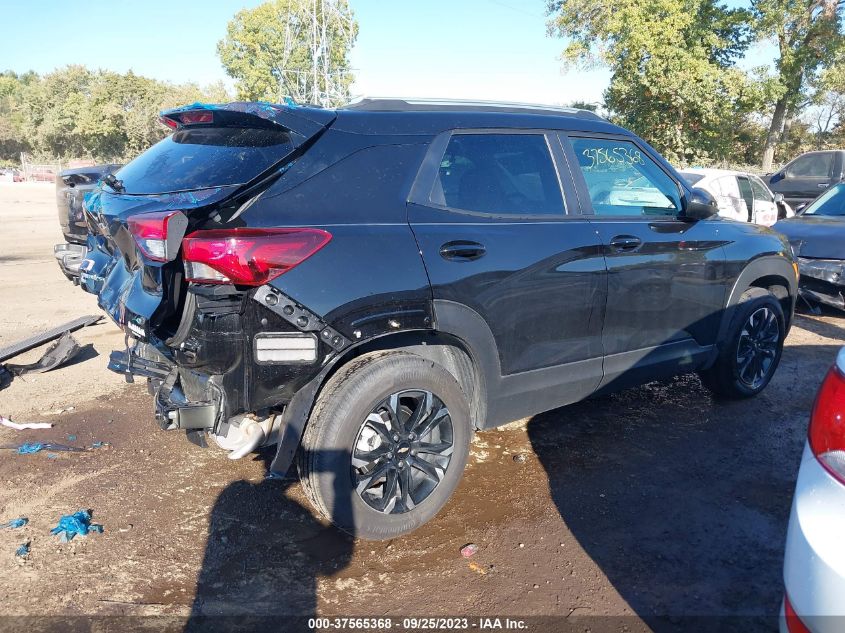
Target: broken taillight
[151, 232]
[248, 257]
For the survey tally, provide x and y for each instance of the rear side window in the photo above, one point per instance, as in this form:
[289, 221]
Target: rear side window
[203, 157]
[624, 181]
[499, 174]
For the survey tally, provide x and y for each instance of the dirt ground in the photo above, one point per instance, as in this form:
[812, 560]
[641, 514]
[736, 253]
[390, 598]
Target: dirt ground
[652, 506]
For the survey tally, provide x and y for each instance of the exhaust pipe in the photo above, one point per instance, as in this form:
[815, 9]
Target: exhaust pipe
[245, 434]
[253, 437]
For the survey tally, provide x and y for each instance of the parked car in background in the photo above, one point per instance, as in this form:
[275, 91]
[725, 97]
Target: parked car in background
[369, 285]
[71, 187]
[814, 563]
[741, 196]
[817, 238]
[10, 174]
[802, 179]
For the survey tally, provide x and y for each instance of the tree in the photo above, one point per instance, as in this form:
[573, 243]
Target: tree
[809, 37]
[671, 61]
[291, 48]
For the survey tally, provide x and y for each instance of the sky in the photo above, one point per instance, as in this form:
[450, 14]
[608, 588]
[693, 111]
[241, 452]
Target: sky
[463, 49]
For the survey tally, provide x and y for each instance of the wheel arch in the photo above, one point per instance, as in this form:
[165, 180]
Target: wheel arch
[774, 273]
[457, 343]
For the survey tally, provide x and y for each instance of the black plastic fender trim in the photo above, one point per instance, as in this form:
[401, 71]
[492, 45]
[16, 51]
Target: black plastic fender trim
[300, 317]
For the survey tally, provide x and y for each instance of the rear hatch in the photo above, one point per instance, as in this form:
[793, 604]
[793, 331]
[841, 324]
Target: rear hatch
[200, 177]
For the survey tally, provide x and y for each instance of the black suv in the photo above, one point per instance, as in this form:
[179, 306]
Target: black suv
[368, 286]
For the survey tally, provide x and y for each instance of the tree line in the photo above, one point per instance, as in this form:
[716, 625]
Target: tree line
[679, 78]
[75, 112]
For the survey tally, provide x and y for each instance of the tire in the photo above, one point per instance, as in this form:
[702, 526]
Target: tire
[342, 435]
[730, 377]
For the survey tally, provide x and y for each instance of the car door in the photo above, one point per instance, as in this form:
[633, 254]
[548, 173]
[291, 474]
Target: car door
[765, 209]
[665, 288]
[747, 197]
[804, 178]
[731, 203]
[498, 236]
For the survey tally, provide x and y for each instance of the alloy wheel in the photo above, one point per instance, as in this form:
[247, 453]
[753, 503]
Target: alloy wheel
[757, 347]
[402, 451]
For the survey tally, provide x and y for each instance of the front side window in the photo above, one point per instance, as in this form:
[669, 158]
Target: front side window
[622, 180]
[811, 166]
[498, 174]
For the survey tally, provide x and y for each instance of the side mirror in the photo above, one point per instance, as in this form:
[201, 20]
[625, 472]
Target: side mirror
[700, 205]
[779, 198]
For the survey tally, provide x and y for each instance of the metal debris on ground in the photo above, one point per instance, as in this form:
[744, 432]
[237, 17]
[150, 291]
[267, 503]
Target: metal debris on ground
[79, 522]
[56, 355]
[45, 337]
[14, 523]
[21, 426]
[520, 458]
[469, 549]
[23, 550]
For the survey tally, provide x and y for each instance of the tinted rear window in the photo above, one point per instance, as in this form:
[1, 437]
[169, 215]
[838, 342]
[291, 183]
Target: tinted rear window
[199, 158]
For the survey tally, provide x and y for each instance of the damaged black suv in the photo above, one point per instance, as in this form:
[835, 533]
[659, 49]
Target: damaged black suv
[366, 287]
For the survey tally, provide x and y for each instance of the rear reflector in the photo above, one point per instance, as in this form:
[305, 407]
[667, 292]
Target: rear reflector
[827, 424]
[285, 348]
[793, 622]
[158, 234]
[249, 257]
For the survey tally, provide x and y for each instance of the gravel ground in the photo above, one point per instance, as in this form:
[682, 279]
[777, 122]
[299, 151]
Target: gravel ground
[653, 505]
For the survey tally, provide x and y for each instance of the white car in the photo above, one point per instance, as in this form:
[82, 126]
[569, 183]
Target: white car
[814, 564]
[741, 196]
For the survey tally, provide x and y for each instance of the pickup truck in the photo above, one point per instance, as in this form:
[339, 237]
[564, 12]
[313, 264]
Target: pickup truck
[804, 178]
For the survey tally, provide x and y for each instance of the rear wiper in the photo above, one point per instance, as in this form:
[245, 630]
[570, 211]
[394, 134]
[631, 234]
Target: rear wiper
[114, 182]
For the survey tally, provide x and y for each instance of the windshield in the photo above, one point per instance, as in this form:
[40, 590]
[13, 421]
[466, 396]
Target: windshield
[199, 158]
[831, 202]
[692, 178]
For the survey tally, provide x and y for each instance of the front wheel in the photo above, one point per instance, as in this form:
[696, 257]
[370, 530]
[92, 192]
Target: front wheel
[752, 350]
[386, 444]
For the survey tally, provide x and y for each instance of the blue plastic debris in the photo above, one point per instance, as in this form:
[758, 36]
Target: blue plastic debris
[70, 525]
[71, 438]
[23, 550]
[99, 444]
[14, 523]
[28, 448]
[52, 456]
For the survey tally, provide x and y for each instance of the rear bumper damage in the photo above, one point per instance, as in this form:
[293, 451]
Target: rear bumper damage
[823, 281]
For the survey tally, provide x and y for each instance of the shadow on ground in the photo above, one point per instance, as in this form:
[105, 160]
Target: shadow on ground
[682, 502]
[265, 554]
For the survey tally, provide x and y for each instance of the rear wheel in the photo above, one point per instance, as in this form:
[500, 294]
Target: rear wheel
[752, 350]
[386, 444]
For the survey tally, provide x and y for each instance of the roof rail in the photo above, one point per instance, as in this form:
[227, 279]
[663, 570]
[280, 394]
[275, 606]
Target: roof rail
[396, 104]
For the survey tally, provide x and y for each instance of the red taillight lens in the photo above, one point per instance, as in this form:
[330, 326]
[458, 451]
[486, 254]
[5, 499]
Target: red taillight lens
[168, 122]
[150, 233]
[201, 116]
[827, 424]
[248, 257]
[793, 622]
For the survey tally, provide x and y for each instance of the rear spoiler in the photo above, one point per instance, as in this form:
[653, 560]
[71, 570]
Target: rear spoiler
[300, 121]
